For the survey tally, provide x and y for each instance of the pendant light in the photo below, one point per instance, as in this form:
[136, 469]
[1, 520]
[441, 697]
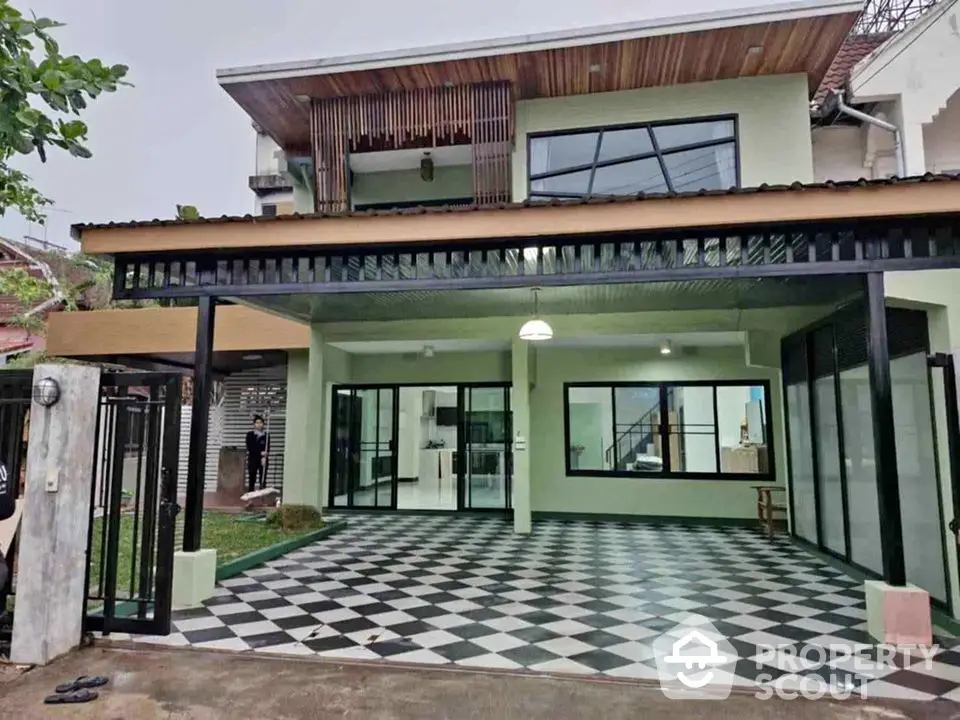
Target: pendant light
[536, 329]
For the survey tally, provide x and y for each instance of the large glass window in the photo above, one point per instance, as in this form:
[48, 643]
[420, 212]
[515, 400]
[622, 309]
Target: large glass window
[863, 503]
[801, 462]
[674, 156]
[669, 429]
[917, 468]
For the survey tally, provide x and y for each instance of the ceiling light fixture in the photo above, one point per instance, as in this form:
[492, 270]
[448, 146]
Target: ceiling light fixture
[666, 348]
[536, 329]
[595, 68]
[754, 49]
[426, 168]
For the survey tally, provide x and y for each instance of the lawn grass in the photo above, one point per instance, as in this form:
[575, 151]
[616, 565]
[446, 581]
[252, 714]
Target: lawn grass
[231, 535]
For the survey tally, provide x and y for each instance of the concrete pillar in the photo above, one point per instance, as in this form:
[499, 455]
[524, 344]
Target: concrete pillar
[56, 517]
[520, 405]
[318, 443]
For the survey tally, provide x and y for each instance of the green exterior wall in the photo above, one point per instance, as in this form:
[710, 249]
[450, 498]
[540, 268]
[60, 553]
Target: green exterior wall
[457, 367]
[546, 369]
[773, 114]
[449, 182]
[552, 491]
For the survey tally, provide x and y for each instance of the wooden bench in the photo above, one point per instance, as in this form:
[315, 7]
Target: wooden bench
[769, 511]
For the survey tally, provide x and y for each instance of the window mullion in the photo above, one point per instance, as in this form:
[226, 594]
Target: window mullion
[593, 171]
[663, 164]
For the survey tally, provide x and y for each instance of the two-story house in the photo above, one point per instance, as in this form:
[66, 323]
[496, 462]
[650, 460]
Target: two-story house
[584, 272]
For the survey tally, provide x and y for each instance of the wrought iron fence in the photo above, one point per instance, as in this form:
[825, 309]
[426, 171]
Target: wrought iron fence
[133, 504]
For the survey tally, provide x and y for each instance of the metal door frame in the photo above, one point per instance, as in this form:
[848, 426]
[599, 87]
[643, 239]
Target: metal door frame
[463, 480]
[393, 445]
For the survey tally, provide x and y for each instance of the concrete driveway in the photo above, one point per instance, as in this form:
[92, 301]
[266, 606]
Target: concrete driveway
[197, 685]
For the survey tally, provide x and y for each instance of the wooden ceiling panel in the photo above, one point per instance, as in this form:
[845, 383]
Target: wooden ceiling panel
[797, 46]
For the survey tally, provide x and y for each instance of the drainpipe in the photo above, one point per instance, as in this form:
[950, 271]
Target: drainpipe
[882, 124]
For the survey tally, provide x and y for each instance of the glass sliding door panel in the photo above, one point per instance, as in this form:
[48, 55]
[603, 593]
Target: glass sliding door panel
[801, 462]
[916, 464]
[486, 446]
[386, 462]
[345, 413]
[862, 500]
[363, 468]
[828, 463]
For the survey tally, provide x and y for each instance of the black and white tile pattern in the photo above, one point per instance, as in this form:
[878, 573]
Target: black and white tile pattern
[572, 597]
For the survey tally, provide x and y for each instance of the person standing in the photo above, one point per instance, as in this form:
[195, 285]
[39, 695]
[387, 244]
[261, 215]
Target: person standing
[257, 443]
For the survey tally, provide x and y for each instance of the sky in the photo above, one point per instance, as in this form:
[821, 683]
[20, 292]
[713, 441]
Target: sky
[176, 137]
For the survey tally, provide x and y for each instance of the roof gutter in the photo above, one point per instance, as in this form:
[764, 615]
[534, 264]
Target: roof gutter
[877, 122]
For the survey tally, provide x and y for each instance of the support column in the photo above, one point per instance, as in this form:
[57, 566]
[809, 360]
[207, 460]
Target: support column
[56, 517]
[194, 570]
[199, 424]
[884, 435]
[317, 446]
[897, 613]
[520, 406]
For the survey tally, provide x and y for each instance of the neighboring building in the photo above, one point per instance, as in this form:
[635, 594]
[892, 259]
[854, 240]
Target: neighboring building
[709, 333]
[910, 79]
[20, 324]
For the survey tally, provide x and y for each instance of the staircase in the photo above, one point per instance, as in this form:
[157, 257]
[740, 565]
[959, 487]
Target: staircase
[633, 439]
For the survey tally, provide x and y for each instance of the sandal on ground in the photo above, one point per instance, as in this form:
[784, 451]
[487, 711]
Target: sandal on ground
[82, 682]
[77, 696]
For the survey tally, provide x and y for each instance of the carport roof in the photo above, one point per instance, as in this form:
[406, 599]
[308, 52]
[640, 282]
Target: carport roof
[797, 202]
[79, 228]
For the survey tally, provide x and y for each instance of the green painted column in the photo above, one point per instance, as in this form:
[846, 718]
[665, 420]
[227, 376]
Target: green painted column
[314, 444]
[520, 405]
[304, 441]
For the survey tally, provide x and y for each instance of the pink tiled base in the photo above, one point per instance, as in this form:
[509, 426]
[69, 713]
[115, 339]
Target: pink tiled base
[898, 615]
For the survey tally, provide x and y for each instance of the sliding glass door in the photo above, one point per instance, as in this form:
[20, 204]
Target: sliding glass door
[364, 447]
[484, 447]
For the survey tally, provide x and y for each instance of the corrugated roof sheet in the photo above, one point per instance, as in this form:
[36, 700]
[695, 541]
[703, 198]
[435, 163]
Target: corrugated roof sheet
[853, 50]
[442, 209]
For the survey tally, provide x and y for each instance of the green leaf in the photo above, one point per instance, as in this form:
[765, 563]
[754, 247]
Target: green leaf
[42, 96]
[28, 116]
[52, 80]
[23, 144]
[73, 129]
[78, 150]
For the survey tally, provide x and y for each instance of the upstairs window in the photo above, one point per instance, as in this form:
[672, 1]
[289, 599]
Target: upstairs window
[648, 158]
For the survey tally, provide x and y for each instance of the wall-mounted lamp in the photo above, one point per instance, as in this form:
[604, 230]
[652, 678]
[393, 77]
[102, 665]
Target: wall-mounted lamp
[426, 168]
[666, 348]
[46, 392]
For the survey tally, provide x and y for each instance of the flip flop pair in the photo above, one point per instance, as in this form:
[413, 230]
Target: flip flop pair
[77, 691]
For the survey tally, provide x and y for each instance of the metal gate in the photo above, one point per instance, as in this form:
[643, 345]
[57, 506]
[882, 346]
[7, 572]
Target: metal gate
[133, 504]
[15, 395]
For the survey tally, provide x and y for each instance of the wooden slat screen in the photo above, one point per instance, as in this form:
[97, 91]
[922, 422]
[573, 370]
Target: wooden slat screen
[480, 115]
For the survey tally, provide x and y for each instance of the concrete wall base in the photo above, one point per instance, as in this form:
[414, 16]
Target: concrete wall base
[898, 615]
[194, 577]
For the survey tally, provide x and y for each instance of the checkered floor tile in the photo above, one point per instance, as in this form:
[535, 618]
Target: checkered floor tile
[572, 597]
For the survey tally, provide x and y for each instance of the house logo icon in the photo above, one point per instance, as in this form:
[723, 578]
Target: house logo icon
[694, 661]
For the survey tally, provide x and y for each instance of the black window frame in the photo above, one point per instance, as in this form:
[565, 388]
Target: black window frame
[668, 473]
[656, 153]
